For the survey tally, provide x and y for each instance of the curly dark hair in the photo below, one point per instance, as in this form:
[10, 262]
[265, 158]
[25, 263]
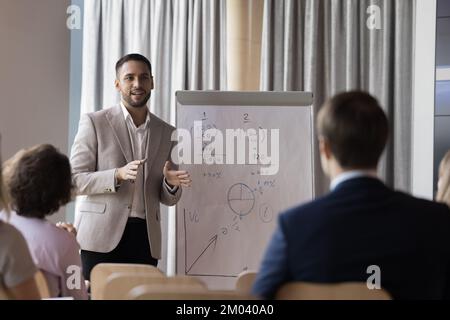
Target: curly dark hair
[39, 181]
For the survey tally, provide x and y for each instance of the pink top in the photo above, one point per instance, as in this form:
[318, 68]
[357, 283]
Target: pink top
[56, 253]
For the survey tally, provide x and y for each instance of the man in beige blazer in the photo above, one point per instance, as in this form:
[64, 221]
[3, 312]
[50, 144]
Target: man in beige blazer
[121, 163]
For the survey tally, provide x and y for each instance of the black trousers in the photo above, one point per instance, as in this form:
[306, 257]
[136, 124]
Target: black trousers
[132, 248]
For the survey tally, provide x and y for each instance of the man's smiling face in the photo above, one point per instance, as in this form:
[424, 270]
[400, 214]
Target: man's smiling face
[134, 82]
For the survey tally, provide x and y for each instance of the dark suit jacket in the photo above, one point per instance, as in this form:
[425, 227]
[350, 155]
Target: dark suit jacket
[359, 224]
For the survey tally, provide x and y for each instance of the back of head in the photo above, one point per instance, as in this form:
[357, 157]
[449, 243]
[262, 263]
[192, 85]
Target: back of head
[443, 194]
[3, 201]
[38, 181]
[356, 129]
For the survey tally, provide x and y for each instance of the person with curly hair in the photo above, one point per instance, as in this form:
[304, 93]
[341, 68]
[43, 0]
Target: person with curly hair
[17, 269]
[38, 182]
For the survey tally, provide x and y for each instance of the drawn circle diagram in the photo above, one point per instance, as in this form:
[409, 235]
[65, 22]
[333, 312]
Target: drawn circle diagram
[266, 213]
[241, 199]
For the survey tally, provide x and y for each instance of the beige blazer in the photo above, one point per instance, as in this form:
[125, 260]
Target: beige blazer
[101, 145]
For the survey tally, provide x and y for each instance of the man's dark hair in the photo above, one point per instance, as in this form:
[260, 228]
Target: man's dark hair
[39, 181]
[356, 129]
[133, 57]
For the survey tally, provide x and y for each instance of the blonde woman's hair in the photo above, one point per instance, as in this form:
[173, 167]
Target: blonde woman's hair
[443, 194]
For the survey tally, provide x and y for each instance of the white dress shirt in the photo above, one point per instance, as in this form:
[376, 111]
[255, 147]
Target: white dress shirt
[139, 137]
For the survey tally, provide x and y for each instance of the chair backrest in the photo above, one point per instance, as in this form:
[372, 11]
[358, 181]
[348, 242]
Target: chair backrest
[4, 293]
[330, 291]
[119, 284]
[171, 292]
[102, 271]
[245, 281]
[42, 285]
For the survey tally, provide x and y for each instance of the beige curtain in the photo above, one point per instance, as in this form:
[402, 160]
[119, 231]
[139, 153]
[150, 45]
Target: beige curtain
[326, 46]
[184, 40]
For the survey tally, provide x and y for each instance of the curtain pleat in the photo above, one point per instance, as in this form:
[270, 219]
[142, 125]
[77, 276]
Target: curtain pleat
[183, 39]
[326, 47]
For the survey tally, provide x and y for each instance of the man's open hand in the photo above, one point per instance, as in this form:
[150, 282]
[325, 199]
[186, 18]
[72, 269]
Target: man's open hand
[176, 178]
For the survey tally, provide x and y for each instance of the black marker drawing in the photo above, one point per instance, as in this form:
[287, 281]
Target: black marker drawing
[241, 199]
[212, 241]
[266, 213]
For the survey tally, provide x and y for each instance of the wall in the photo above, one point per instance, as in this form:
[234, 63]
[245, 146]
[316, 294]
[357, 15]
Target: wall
[442, 107]
[423, 98]
[34, 82]
[76, 61]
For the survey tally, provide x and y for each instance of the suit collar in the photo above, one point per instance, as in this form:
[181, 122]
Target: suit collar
[127, 115]
[117, 122]
[348, 175]
[360, 183]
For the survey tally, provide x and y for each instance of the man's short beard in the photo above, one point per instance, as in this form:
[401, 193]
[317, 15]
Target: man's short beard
[139, 104]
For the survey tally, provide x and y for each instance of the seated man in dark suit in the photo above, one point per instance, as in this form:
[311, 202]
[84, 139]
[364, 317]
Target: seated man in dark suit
[361, 226]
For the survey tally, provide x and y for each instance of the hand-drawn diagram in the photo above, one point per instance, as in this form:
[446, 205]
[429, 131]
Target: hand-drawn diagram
[225, 220]
[241, 199]
[242, 202]
[212, 243]
[266, 213]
